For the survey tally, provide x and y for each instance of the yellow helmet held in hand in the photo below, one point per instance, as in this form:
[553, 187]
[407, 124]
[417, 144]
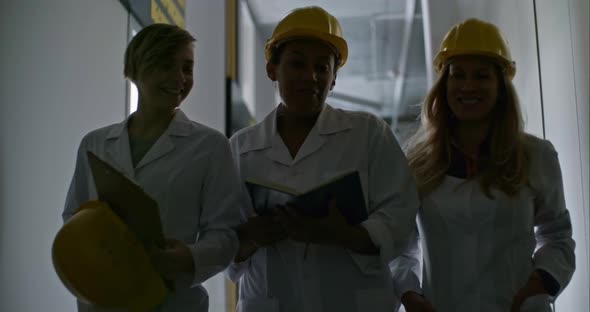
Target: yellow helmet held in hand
[102, 263]
[475, 37]
[309, 22]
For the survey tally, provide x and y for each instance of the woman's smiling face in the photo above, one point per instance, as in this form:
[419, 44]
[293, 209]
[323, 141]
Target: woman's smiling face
[472, 88]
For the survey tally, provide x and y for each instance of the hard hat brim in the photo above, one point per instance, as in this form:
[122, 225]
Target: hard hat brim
[444, 57]
[335, 41]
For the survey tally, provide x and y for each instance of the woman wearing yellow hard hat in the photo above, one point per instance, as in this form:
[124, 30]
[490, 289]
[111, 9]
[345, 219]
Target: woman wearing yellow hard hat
[290, 262]
[493, 226]
[184, 166]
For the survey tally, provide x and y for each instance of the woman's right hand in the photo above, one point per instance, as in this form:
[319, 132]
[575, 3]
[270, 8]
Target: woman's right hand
[258, 232]
[414, 302]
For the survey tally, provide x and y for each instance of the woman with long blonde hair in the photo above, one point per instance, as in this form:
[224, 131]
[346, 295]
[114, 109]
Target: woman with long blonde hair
[485, 186]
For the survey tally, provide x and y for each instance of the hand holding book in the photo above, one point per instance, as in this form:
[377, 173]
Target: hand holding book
[329, 213]
[325, 231]
[258, 231]
[261, 231]
[332, 229]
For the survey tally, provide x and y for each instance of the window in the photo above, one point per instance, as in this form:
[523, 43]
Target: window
[386, 72]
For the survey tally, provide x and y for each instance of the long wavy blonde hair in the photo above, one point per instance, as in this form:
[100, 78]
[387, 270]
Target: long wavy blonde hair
[429, 150]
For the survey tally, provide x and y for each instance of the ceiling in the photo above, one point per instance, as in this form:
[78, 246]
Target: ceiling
[270, 11]
[385, 72]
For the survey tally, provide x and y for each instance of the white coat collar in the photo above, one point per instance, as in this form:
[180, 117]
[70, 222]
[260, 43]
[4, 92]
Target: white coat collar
[264, 135]
[180, 125]
[118, 141]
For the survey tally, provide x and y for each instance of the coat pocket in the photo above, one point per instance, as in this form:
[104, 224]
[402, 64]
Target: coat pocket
[375, 300]
[368, 264]
[258, 304]
[84, 307]
[537, 303]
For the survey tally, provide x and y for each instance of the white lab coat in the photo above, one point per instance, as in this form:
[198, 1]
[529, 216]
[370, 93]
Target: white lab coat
[330, 279]
[478, 252]
[190, 173]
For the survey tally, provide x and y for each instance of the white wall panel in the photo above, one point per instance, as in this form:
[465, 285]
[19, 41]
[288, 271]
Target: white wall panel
[61, 76]
[563, 46]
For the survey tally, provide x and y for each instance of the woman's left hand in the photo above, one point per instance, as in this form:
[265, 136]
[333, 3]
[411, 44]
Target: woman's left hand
[329, 230]
[534, 286]
[173, 260]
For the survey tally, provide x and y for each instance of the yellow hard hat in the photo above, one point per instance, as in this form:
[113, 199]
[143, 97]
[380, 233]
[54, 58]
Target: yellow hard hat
[309, 22]
[475, 37]
[102, 263]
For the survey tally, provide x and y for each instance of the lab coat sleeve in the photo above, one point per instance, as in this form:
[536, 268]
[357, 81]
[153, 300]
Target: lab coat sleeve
[393, 197]
[405, 269]
[553, 230]
[217, 242]
[78, 192]
[236, 269]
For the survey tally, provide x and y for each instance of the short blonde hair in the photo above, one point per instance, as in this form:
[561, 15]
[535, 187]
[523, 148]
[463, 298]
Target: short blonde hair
[152, 46]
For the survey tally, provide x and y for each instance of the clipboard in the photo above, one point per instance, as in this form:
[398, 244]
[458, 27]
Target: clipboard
[129, 201]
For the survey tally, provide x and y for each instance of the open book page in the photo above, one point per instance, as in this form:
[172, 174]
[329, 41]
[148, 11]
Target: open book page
[346, 189]
[267, 196]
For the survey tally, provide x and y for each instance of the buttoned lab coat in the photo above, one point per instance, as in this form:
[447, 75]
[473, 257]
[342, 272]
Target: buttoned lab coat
[190, 173]
[278, 278]
[478, 252]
